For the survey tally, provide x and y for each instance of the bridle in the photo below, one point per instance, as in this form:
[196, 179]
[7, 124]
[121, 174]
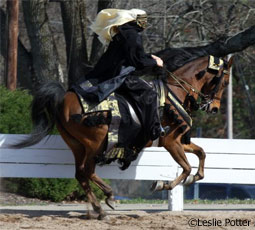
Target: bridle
[218, 78]
[205, 102]
[206, 99]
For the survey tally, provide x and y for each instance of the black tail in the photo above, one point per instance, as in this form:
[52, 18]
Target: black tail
[44, 111]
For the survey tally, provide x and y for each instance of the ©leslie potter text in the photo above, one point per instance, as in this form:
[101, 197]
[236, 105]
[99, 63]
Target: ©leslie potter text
[195, 222]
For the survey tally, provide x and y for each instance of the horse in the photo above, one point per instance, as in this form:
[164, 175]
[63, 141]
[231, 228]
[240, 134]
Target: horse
[53, 105]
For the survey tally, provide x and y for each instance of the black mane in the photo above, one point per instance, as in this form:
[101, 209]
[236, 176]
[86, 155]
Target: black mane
[175, 58]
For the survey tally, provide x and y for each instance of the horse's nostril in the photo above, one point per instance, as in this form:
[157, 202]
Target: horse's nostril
[214, 110]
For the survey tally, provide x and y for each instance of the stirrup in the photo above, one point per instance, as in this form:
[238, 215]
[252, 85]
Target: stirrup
[164, 131]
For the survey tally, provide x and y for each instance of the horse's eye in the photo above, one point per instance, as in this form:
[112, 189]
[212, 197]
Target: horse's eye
[225, 83]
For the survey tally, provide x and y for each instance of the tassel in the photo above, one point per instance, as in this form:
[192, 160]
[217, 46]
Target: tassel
[182, 128]
[185, 139]
[179, 121]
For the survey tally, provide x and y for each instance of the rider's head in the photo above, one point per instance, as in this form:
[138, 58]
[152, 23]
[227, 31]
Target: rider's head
[109, 19]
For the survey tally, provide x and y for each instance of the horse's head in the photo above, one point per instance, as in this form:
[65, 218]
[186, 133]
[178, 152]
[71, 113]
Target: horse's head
[217, 80]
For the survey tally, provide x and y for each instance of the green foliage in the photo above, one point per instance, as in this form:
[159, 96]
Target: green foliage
[50, 188]
[213, 125]
[43, 188]
[14, 111]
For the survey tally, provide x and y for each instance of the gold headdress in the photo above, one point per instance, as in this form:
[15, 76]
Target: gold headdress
[141, 20]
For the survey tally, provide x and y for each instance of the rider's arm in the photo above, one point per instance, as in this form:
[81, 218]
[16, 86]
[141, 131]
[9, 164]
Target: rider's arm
[133, 47]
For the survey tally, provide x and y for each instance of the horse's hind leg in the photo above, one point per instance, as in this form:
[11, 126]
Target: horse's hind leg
[107, 190]
[199, 152]
[84, 168]
[83, 175]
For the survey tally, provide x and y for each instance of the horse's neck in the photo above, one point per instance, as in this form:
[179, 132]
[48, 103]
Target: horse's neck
[179, 92]
[190, 70]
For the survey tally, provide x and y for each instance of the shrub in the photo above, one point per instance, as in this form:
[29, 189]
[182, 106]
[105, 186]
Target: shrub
[14, 111]
[52, 189]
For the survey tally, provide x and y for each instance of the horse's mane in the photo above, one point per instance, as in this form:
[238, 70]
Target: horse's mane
[175, 58]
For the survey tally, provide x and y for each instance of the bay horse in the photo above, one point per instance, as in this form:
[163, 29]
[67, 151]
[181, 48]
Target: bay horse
[52, 105]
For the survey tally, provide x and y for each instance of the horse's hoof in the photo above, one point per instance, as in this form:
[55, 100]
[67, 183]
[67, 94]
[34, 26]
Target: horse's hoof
[110, 202]
[157, 186]
[88, 216]
[189, 180]
[101, 216]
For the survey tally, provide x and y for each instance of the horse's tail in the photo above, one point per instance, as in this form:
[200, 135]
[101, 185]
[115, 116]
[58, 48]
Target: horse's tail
[45, 107]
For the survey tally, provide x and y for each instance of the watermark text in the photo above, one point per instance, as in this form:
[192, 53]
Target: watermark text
[196, 222]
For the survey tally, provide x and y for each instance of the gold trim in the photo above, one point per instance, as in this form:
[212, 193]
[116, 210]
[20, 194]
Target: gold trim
[212, 65]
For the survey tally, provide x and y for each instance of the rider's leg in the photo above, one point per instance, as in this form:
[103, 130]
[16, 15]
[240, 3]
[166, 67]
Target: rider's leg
[145, 100]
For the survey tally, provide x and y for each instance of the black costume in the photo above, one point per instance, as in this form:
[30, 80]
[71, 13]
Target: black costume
[125, 50]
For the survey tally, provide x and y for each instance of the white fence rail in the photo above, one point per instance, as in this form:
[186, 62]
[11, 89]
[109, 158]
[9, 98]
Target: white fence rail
[227, 161]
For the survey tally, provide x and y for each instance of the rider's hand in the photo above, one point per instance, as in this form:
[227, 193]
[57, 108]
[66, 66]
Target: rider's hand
[159, 61]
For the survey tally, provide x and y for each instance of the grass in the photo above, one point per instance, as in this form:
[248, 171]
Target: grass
[143, 201]
[228, 201]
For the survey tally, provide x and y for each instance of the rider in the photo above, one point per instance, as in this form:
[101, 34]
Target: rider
[120, 30]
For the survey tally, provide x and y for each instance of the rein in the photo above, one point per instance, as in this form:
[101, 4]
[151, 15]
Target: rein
[200, 94]
[207, 99]
[179, 80]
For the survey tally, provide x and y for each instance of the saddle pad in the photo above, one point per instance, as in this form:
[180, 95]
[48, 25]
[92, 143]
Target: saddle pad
[120, 116]
[110, 104]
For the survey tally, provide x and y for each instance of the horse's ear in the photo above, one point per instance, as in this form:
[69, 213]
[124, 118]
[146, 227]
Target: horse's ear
[230, 61]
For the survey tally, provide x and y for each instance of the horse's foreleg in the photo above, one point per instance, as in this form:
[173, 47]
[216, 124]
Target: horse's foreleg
[175, 148]
[199, 152]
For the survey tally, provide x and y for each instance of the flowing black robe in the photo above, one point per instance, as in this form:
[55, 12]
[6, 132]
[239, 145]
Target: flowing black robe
[125, 50]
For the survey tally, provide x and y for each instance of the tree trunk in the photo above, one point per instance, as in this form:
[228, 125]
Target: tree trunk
[97, 47]
[74, 21]
[13, 28]
[44, 53]
[24, 74]
[3, 47]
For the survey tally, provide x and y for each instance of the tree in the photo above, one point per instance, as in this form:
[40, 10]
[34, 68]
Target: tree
[74, 22]
[13, 12]
[97, 47]
[43, 48]
[24, 69]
